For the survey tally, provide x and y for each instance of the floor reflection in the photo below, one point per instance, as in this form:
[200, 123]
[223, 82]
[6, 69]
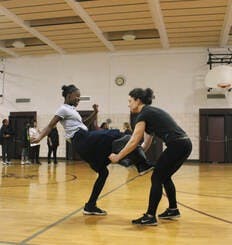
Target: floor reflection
[26, 175]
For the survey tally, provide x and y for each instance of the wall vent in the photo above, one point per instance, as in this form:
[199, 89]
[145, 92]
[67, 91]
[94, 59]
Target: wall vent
[216, 96]
[23, 100]
[85, 98]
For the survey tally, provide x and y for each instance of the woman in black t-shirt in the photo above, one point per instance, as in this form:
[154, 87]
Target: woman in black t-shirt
[154, 121]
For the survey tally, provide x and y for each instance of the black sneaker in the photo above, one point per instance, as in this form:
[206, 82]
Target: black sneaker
[170, 214]
[144, 168]
[93, 211]
[145, 220]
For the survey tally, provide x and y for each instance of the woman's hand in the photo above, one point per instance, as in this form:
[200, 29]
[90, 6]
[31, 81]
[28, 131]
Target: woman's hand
[35, 140]
[114, 158]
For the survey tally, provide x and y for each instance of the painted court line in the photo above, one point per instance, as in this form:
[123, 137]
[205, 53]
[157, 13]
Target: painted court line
[71, 214]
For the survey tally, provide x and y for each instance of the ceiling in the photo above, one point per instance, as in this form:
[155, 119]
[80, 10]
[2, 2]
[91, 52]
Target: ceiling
[38, 27]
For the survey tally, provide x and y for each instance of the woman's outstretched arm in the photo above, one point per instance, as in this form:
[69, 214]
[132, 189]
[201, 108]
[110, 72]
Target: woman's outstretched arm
[46, 130]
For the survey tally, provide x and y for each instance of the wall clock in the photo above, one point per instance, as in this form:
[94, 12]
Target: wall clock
[119, 80]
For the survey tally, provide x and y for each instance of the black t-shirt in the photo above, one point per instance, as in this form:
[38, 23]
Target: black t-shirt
[160, 123]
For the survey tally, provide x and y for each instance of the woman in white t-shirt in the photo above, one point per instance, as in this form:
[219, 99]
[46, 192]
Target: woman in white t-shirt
[93, 146]
[34, 147]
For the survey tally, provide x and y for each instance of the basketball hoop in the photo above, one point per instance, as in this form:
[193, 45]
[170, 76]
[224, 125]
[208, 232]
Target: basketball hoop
[220, 77]
[224, 85]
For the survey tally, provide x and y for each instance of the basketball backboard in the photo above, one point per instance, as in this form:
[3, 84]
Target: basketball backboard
[219, 77]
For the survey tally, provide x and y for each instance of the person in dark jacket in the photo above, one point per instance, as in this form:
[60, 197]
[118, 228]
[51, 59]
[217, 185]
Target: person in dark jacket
[7, 138]
[53, 143]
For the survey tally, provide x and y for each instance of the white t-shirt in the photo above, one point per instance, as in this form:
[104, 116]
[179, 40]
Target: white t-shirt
[71, 120]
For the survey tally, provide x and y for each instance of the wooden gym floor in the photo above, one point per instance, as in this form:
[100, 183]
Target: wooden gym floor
[43, 205]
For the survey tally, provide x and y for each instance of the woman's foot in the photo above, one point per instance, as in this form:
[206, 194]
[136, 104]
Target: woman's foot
[93, 210]
[170, 214]
[146, 219]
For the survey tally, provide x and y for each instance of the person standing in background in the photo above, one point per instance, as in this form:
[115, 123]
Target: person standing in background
[34, 147]
[104, 125]
[7, 138]
[53, 143]
[25, 145]
[127, 128]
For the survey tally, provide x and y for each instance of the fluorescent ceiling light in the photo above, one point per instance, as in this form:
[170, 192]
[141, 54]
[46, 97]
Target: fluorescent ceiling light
[128, 37]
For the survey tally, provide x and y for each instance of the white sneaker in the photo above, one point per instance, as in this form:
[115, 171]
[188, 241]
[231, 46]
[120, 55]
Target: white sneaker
[22, 163]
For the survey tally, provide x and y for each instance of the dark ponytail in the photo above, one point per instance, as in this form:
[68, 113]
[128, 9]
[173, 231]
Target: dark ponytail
[145, 95]
[68, 89]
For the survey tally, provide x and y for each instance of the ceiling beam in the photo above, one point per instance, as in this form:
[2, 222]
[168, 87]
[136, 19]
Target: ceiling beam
[26, 25]
[157, 18]
[6, 50]
[77, 8]
[225, 32]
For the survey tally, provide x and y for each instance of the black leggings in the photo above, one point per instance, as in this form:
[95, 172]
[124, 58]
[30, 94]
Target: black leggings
[94, 147]
[168, 163]
[34, 153]
[98, 186]
[6, 150]
[52, 150]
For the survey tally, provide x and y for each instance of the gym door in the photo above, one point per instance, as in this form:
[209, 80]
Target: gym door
[18, 121]
[216, 139]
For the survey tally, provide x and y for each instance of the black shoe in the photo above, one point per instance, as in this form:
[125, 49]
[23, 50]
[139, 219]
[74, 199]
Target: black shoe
[170, 214]
[93, 211]
[145, 220]
[144, 168]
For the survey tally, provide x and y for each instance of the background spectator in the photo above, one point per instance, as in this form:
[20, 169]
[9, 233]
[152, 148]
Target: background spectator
[53, 143]
[34, 147]
[25, 144]
[127, 128]
[7, 139]
[104, 125]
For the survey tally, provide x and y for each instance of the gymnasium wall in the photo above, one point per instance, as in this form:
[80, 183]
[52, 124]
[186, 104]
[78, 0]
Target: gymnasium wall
[176, 76]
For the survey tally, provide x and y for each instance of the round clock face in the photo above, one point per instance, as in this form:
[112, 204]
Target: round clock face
[119, 81]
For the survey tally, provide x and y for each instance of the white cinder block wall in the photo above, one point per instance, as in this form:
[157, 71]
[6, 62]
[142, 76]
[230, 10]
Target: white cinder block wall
[176, 76]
